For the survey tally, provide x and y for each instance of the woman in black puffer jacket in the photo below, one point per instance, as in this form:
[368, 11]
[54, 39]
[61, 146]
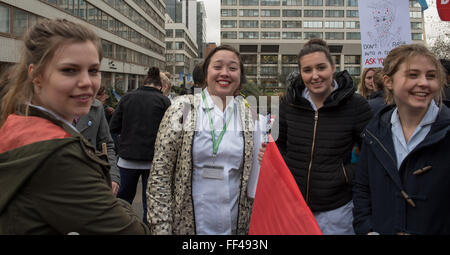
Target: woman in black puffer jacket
[320, 120]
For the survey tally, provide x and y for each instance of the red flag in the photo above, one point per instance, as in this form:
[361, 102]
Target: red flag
[279, 207]
[443, 7]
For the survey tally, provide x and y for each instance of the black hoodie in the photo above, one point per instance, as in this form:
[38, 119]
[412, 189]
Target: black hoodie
[317, 145]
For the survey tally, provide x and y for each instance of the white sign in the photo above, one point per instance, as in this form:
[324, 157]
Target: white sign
[384, 25]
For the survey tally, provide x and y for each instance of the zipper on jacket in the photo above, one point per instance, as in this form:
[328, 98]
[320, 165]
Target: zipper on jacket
[345, 173]
[316, 118]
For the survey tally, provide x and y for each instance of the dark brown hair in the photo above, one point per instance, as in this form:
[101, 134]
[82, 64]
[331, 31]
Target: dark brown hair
[315, 45]
[153, 77]
[228, 48]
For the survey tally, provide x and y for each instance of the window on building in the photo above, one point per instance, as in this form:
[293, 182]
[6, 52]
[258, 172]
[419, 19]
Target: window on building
[334, 3]
[228, 12]
[313, 13]
[270, 13]
[248, 13]
[336, 59]
[5, 23]
[292, 2]
[417, 36]
[20, 22]
[248, 35]
[352, 2]
[108, 50]
[334, 24]
[269, 70]
[228, 2]
[312, 2]
[228, 35]
[286, 70]
[352, 59]
[250, 70]
[289, 59]
[292, 13]
[292, 24]
[179, 33]
[248, 24]
[179, 45]
[179, 57]
[292, 35]
[169, 33]
[270, 2]
[334, 35]
[312, 24]
[414, 3]
[248, 2]
[269, 59]
[334, 13]
[415, 15]
[270, 24]
[249, 59]
[352, 14]
[311, 35]
[353, 36]
[416, 25]
[352, 24]
[270, 35]
[354, 70]
[228, 23]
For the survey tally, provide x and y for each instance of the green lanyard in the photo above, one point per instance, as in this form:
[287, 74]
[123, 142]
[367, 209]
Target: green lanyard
[211, 124]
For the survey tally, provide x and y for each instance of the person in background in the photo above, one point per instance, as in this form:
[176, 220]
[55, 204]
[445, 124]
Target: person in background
[402, 180]
[102, 96]
[320, 120]
[446, 64]
[166, 85]
[365, 87]
[53, 180]
[94, 127]
[136, 119]
[204, 156]
[376, 98]
[198, 77]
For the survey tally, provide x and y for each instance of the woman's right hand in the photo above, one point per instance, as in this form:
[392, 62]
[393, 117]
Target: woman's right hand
[261, 151]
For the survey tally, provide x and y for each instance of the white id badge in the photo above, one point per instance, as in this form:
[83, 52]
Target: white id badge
[213, 172]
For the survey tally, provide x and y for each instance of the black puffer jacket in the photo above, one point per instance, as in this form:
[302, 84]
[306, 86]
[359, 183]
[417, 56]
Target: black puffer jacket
[317, 145]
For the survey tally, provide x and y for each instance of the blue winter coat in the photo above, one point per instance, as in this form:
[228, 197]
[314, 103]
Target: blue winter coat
[391, 201]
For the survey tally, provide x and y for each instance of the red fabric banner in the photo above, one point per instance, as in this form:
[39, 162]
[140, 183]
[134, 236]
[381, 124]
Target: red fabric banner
[443, 7]
[279, 207]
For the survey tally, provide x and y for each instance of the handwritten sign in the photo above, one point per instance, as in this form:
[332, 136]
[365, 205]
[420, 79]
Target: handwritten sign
[384, 25]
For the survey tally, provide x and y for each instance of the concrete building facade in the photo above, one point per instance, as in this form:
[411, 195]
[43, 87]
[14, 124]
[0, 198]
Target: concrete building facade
[270, 33]
[132, 33]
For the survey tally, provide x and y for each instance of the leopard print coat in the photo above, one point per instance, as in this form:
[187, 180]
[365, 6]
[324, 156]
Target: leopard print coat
[169, 191]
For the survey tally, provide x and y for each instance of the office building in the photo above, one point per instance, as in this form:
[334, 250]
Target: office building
[270, 33]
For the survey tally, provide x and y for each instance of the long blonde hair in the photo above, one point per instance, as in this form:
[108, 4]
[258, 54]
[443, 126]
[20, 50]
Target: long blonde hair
[40, 45]
[362, 89]
[404, 54]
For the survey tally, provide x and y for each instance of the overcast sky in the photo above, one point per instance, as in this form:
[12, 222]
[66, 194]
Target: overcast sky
[212, 20]
[433, 25]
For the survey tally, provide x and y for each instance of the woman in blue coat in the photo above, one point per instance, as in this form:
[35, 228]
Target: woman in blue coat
[402, 183]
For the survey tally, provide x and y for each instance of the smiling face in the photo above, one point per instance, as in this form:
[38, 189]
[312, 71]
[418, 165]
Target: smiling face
[223, 74]
[70, 81]
[317, 74]
[414, 84]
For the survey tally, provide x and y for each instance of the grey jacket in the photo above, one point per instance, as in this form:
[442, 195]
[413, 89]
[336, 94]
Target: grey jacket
[95, 129]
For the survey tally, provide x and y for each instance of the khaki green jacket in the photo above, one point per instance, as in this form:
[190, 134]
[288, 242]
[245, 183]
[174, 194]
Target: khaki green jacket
[169, 191]
[58, 186]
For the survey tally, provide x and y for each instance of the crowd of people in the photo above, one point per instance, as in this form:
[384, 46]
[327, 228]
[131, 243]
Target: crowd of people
[70, 164]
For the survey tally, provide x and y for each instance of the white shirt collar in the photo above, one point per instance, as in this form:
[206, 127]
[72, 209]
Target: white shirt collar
[429, 118]
[212, 105]
[56, 116]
